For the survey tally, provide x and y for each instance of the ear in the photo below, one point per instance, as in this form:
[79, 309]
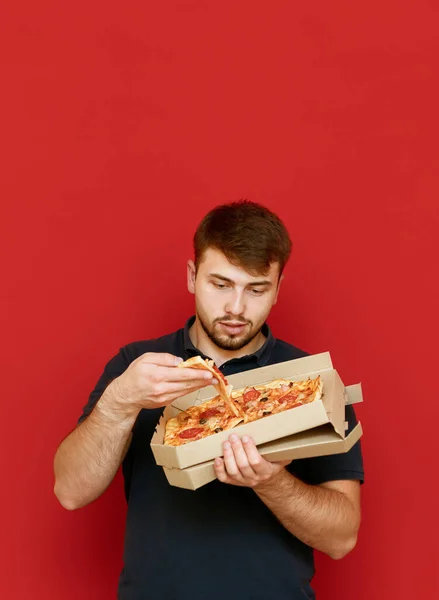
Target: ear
[191, 276]
[278, 288]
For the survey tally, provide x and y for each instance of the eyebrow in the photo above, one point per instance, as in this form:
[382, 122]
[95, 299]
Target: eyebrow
[251, 284]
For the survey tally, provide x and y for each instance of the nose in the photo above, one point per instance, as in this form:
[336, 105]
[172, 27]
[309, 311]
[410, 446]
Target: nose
[236, 305]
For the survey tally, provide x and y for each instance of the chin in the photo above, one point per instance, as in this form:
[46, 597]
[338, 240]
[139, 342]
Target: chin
[231, 343]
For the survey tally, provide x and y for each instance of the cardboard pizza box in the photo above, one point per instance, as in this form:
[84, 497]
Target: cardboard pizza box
[320, 441]
[328, 410]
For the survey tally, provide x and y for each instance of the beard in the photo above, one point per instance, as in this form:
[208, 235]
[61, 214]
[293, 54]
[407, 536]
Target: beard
[225, 341]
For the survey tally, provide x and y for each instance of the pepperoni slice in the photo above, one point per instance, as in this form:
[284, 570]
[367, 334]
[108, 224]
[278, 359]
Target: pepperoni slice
[250, 395]
[220, 375]
[290, 396]
[210, 412]
[190, 433]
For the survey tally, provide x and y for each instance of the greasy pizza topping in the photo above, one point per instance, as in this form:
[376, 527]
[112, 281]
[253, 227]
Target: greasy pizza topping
[250, 395]
[215, 415]
[218, 372]
[211, 412]
[183, 418]
[191, 433]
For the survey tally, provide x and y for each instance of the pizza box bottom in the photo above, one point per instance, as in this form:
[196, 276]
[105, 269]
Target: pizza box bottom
[320, 441]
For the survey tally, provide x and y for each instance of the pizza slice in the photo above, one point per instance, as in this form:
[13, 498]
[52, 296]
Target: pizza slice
[222, 387]
[260, 400]
[274, 397]
[199, 421]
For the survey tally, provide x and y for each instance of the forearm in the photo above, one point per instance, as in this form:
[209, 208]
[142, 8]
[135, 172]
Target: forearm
[324, 519]
[88, 459]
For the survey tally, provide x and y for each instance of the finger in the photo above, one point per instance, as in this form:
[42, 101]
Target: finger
[241, 457]
[230, 462]
[221, 473]
[164, 359]
[258, 464]
[220, 470]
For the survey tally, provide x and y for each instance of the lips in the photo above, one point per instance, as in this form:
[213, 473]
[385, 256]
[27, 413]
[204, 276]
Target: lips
[233, 328]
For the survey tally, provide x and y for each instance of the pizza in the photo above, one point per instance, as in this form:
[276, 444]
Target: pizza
[197, 422]
[231, 408]
[197, 362]
[276, 396]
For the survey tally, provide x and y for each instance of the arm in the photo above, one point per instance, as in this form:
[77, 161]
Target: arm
[88, 459]
[326, 517]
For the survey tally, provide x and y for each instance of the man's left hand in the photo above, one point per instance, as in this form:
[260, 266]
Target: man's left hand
[243, 465]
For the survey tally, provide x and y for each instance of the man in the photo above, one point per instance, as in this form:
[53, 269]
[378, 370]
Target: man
[251, 533]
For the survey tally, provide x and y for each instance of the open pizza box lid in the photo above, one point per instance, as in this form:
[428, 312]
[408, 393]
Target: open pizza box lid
[328, 410]
[320, 441]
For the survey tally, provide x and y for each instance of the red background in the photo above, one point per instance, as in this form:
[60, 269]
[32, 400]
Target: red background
[121, 126]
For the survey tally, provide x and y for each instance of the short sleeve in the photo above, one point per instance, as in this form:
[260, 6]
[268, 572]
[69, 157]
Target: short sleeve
[115, 367]
[320, 469]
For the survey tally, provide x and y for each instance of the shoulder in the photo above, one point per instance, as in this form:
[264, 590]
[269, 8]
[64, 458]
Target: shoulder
[283, 351]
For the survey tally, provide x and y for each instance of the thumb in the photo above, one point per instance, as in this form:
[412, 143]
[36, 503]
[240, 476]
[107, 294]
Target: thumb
[162, 359]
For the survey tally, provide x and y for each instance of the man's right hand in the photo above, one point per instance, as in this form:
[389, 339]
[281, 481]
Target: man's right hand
[151, 381]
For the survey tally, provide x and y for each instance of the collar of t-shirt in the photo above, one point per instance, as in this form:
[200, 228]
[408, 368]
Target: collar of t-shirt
[259, 358]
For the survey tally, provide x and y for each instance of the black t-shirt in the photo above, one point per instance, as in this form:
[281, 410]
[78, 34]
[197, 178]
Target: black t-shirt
[220, 540]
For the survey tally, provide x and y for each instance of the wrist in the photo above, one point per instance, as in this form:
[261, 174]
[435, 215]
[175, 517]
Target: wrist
[113, 406]
[274, 484]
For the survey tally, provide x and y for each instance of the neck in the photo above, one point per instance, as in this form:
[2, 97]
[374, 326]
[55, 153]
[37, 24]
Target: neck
[201, 340]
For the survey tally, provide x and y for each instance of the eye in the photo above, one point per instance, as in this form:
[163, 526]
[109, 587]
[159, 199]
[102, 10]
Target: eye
[220, 286]
[257, 292]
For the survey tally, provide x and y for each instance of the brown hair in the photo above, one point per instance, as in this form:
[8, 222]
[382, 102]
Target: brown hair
[248, 234]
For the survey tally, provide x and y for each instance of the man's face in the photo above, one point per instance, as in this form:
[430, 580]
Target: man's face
[231, 304]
